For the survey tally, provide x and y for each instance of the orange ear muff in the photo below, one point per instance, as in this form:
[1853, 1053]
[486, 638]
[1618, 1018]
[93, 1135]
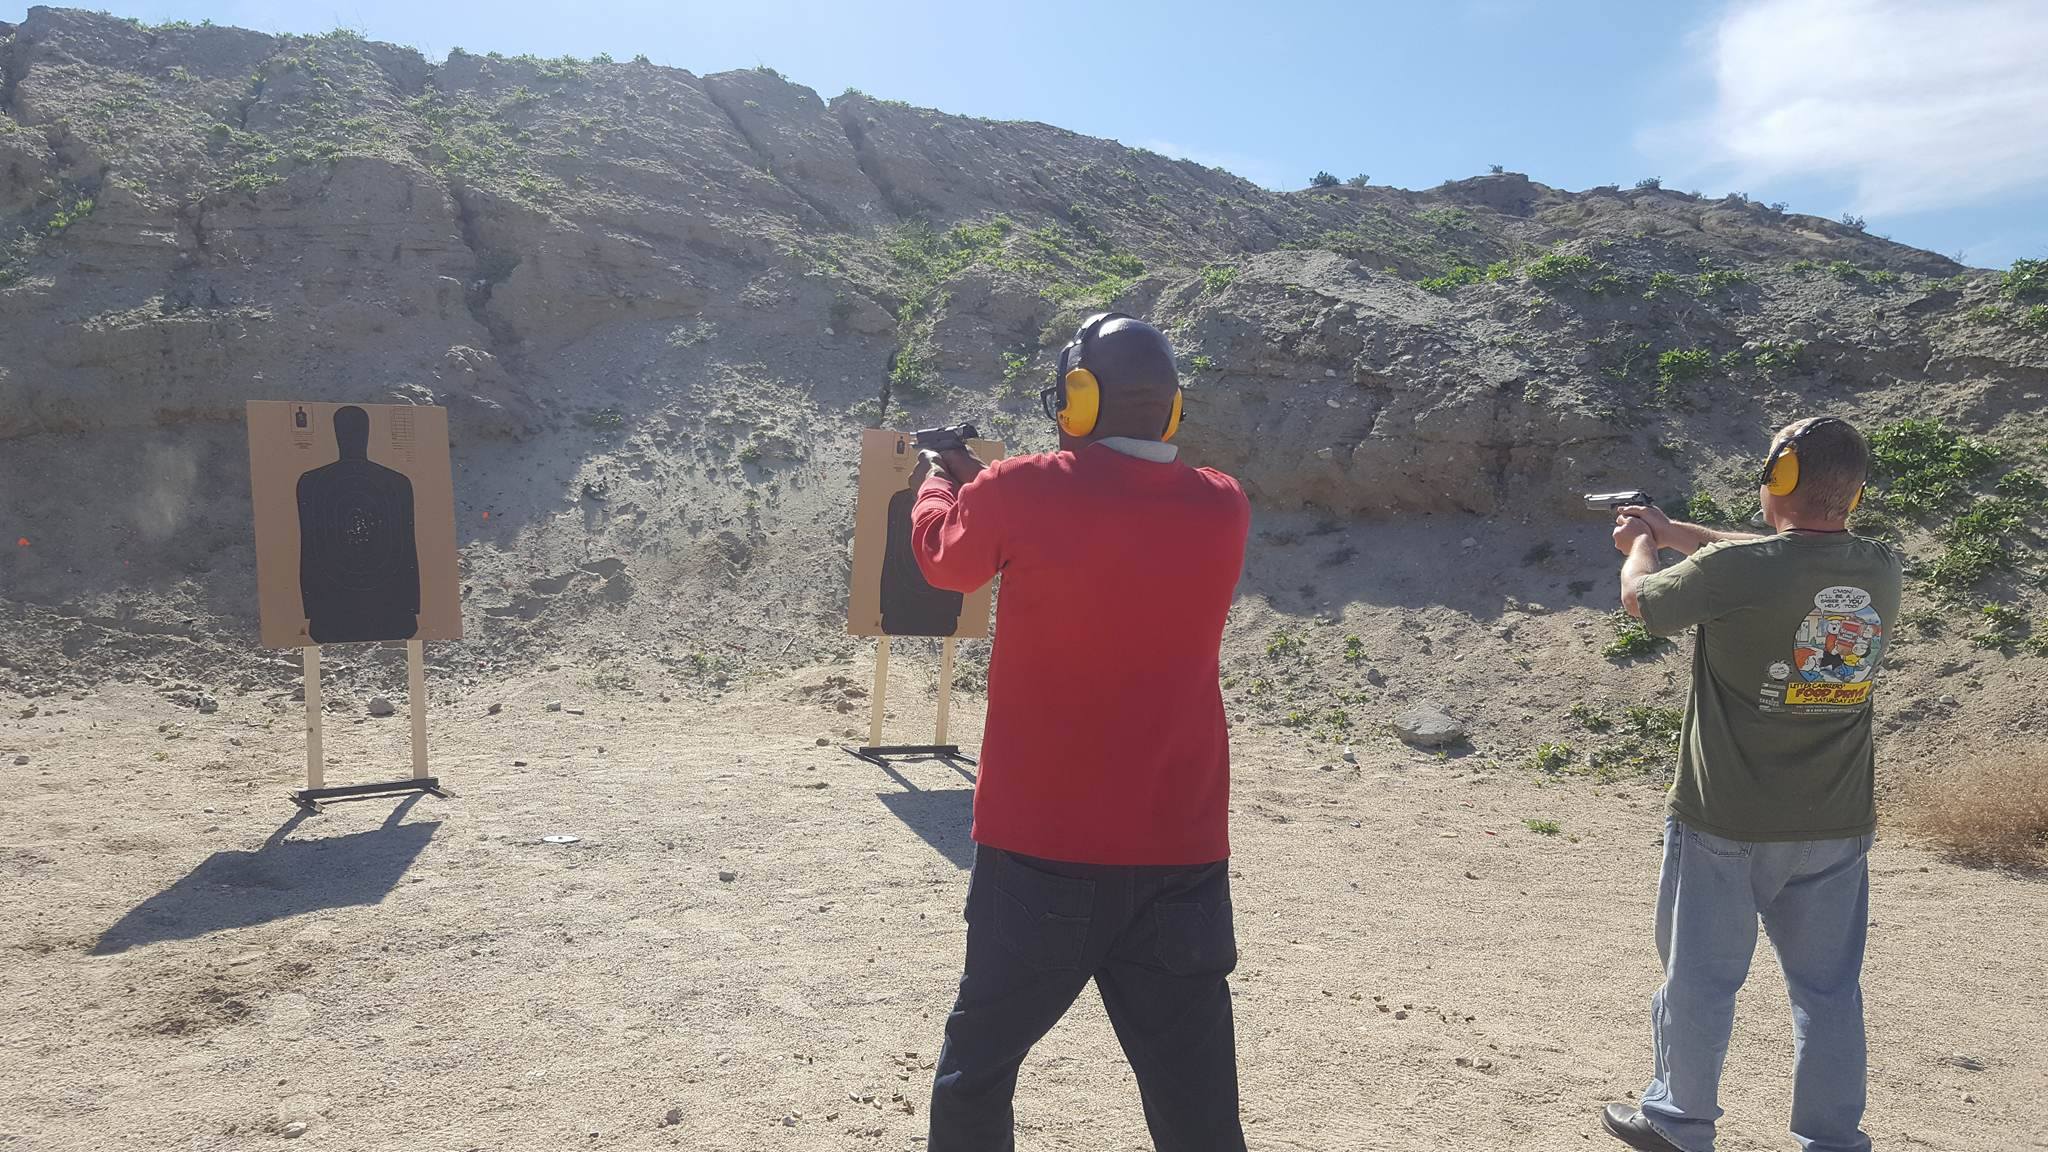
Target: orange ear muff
[1173, 420]
[1083, 403]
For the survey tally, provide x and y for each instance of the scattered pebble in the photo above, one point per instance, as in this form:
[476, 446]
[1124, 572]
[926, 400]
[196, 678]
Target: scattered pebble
[573, 711]
[293, 1130]
[494, 709]
[519, 763]
[20, 760]
[552, 706]
[379, 706]
[1967, 1063]
[727, 875]
[1350, 757]
[207, 705]
[235, 741]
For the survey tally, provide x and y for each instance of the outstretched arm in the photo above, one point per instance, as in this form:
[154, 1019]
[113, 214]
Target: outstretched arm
[958, 531]
[1678, 535]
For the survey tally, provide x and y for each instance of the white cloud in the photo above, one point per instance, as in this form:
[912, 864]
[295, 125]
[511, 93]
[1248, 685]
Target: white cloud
[1918, 105]
[1236, 163]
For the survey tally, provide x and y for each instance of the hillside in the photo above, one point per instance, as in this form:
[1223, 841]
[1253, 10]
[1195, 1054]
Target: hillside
[660, 307]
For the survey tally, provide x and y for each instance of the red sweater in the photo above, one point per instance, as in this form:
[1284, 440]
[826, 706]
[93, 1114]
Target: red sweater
[1105, 741]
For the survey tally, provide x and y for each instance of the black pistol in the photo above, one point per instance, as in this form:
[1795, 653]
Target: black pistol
[1611, 501]
[947, 439]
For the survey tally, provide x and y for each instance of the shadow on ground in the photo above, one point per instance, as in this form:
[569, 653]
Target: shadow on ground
[284, 878]
[940, 817]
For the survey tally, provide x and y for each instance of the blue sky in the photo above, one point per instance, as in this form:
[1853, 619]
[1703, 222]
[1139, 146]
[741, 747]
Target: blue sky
[1927, 117]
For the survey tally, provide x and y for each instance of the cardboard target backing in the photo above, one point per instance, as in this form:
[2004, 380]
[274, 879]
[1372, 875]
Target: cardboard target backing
[355, 523]
[890, 596]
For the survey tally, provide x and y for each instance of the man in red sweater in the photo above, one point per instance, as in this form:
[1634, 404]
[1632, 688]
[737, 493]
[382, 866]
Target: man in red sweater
[1100, 815]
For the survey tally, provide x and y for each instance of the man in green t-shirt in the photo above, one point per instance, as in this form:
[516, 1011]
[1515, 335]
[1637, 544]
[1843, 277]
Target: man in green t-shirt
[1771, 815]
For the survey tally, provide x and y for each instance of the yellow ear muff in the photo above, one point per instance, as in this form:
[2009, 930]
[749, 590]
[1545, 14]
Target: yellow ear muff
[1784, 475]
[1083, 403]
[1855, 500]
[1173, 421]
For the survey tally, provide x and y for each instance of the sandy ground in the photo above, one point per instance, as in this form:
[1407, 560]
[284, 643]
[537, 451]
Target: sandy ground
[187, 966]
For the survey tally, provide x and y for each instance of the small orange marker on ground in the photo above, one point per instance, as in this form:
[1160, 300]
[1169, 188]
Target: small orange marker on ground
[21, 543]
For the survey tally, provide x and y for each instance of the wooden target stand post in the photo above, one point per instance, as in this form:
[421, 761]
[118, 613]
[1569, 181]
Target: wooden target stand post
[310, 797]
[878, 753]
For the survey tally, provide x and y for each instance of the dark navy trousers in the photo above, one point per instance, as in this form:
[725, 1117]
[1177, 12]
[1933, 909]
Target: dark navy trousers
[1157, 941]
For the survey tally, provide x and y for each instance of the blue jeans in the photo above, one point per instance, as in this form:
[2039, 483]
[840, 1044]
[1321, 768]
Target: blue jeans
[1814, 899]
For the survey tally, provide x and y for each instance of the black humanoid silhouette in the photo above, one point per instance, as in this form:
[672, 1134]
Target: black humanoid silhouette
[910, 605]
[359, 566]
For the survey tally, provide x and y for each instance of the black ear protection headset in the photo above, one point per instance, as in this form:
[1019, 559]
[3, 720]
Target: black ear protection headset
[1781, 470]
[1074, 399]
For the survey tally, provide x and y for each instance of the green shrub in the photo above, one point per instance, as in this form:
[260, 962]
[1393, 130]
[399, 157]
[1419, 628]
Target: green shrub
[1715, 280]
[1986, 314]
[1844, 270]
[1649, 182]
[2025, 281]
[1199, 363]
[1285, 645]
[2005, 627]
[1773, 355]
[1217, 277]
[1802, 267]
[1543, 827]
[1461, 275]
[1678, 366]
[1552, 758]
[1554, 268]
[2035, 319]
[1702, 508]
[1322, 180]
[1660, 283]
[1631, 640]
[1359, 181]
[1589, 718]
[1924, 466]
[1354, 650]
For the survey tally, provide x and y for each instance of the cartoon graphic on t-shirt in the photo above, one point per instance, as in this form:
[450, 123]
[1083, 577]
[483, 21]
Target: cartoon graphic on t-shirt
[1834, 653]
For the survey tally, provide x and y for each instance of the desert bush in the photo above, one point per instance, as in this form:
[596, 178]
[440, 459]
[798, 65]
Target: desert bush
[1987, 813]
[1632, 640]
[1495, 170]
[1704, 509]
[1852, 221]
[1322, 180]
[1359, 181]
[1649, 182]
[1217, 277]
[2026, 280]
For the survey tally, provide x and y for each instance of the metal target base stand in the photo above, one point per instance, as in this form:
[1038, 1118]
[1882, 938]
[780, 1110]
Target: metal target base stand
[310, 799]
[877, 753]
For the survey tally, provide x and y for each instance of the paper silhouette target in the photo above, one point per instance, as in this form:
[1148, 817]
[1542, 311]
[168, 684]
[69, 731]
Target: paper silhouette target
[890, 596]
[355, 523]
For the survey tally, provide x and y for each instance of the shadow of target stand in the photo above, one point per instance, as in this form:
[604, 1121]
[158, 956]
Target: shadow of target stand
[310, 798]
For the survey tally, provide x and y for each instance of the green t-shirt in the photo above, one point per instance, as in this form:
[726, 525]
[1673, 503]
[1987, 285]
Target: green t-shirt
[1777, 738]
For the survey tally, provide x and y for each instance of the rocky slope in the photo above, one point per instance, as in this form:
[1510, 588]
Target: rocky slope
[660, 307]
